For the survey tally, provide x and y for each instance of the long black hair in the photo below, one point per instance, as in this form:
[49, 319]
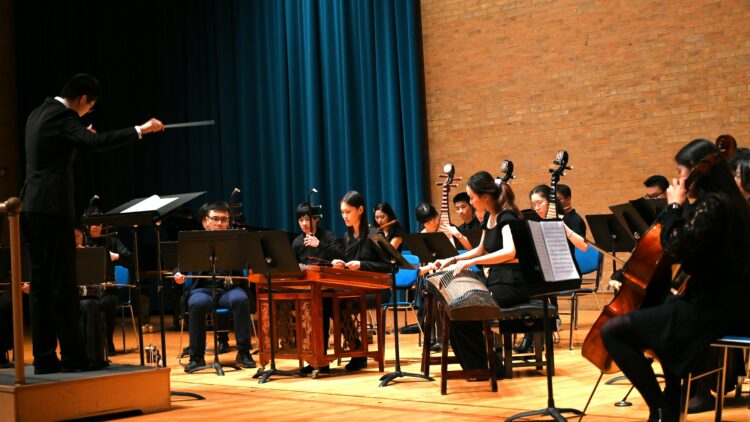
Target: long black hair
[356, 200]
[741, 164]
[386, 209]
[483, 183]
[718, 182]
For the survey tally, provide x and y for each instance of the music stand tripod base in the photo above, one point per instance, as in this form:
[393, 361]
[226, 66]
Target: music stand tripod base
[264, 374]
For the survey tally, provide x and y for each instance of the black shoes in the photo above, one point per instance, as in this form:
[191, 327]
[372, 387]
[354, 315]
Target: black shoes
[224, 346]
[307, 370]
[526, 345]
[84, 365]
[355, 364]
[194, 364]
[436, 347]
[245, 359]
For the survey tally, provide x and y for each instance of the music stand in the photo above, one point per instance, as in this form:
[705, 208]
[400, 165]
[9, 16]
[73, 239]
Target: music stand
[630, 219]
[649, 209]
[211, 251]
[430, 246]
[269, 252]
[397, 261]
[91, 265]
[531, 256]
[610, 235]
[149, 211]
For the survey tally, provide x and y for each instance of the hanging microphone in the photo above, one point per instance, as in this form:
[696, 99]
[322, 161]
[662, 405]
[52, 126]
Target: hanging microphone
[91, 201]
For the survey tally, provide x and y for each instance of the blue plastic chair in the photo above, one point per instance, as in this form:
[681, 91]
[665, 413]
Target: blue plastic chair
[405, 280]
[589, 262]
[122, 280]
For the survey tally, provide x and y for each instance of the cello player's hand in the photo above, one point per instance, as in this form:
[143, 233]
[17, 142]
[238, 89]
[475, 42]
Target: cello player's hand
[677, 192]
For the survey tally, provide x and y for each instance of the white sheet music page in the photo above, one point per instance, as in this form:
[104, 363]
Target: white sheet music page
[152, 203]
[535, 229]
[563, 267]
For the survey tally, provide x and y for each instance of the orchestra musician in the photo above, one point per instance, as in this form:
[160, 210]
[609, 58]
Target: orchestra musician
[54, 132]
[470, 219]
[239, 297]
[570, 216]
[740, 166]
[497, 254]
[119, 255]
[313, 246]
[656, 187]
[429, 219]
[712, 246]
[388, 225]
[360, 253]
[91, 319]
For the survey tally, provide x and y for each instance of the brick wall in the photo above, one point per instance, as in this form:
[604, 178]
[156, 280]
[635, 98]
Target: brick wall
[620, 85]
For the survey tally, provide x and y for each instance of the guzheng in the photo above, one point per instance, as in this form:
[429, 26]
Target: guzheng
[465, 295]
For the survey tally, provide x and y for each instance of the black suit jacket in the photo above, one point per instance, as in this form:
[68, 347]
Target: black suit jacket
[53, 135]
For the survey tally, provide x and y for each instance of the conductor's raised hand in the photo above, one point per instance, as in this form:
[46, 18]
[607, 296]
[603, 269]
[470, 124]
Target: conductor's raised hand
[152, 125]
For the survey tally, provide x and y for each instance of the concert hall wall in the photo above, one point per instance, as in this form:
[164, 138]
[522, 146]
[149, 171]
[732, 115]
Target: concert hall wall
[621, 85]
[305, 94]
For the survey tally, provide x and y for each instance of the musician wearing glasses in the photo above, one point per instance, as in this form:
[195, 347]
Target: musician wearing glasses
[54, 133]
[656, 187]
[240, 298]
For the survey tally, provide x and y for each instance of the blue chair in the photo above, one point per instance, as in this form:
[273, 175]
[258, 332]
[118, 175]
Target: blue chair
[405, 281]
[122, 280]
[590, 263]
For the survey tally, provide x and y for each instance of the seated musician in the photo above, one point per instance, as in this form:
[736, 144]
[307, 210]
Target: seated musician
[429, 219]
[119, 255]
[240, 298]
[656, 187]
[469, 217]
[315, 246]
[712, 246]
[497, 254]
[360, 253]
[570, 216]
[388, 225]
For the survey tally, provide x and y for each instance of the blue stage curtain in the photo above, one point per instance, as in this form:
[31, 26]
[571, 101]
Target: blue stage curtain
[326, 94]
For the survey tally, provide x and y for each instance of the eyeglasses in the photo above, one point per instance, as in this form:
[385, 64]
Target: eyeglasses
[218, 219]
[654, 195]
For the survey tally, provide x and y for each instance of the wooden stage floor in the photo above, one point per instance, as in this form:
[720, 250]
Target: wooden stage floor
[343, 396]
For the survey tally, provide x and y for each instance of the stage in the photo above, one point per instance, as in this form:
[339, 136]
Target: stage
[356, 396]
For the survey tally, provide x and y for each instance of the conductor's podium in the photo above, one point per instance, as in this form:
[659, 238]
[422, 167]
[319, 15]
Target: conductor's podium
[298, 314]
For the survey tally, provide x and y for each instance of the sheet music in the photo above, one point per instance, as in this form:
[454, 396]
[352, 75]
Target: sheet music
[152, 203]
[538, 237]
[561, 260]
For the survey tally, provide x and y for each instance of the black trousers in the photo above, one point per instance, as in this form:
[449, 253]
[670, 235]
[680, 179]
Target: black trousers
[6, 323]
[92, 328]
[54, 294]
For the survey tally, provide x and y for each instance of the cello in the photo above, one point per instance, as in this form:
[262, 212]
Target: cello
[647, 274]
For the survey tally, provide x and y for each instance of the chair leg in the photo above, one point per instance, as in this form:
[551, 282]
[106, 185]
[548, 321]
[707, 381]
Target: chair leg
[488, 338]
[179, 348]
[573, 319]
[135, 329]
[122, 326]
[444, 360]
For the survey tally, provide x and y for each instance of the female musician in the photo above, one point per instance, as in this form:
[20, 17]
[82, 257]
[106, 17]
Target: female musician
[429, 219]
[497, 253]
[712, 246]
[539, 197]
[385, 218]
[360, 253]
[740, 165]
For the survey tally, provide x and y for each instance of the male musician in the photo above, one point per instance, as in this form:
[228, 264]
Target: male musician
[656, 187]
[570, 216]
[54, 132]
[314, 245]
[429, 219]
[240, 298]
[466, 212]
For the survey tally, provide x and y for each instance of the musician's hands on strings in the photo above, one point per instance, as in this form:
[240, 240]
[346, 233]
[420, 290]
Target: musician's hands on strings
[462, 265]
[442, 263]
[311, 241]
[152, 125]
[179, 278]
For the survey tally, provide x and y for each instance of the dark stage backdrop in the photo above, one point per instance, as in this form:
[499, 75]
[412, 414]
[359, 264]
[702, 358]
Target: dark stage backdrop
[325, 94]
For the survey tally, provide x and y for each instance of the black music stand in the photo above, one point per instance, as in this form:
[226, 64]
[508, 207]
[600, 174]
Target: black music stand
[91, 265]
[269, 252]
[538, 276]
[610, 235]
[430, 246]
[211, 251]
[397, 261]
[649, 209]
[630, 219]
[149, 211]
